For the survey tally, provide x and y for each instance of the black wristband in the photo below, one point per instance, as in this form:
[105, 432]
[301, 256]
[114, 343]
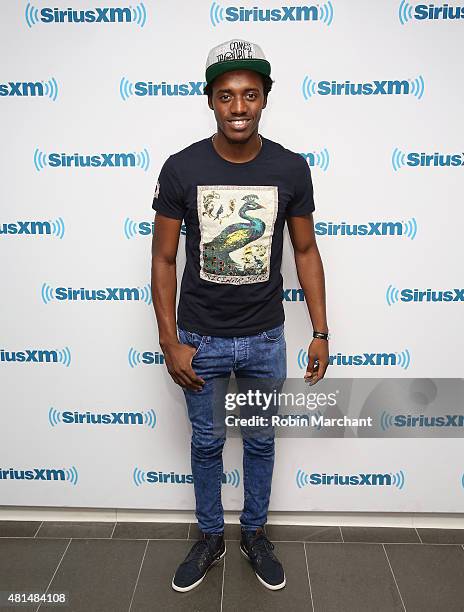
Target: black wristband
[321, 335]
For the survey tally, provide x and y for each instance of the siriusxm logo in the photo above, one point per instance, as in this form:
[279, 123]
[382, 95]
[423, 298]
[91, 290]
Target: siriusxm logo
[293, 295]
[432, 12]
[62, 356]
[42, 89]
[100, 160]
[137, 15]
[402, 359]
[142, 228]
[148, 88]
[68, 417]
[34, 228]
[394, 295]
[136, 358]
[408, 229]
[415, 159]
[114, 294]
[388, 420]
[315, 12]
[64, 474]
[141, 477]
[387, 479]
[406, 87]
[321, 159]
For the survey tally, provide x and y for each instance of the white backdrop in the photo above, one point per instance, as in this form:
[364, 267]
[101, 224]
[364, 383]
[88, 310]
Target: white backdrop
[68, 226]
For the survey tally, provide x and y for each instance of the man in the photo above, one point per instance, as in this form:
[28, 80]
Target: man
[235, 191]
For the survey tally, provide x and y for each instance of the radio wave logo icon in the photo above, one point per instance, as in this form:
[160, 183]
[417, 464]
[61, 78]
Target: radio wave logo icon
[403, 359]
[410, 228]
[326, 13]
[64, 357]
[322, 160]
[54, 417]
[216, 13]
[387, 420]
[130, 228]
[302, 479]
[398, 479]
[231, 478]
[139, 477]
[392, 295]
[398, 159]
[40, 160]
[134, 357]
[145, 294]
[417, 87]
[72, 475]
[51, 89]
[31, 14]
[303, 359]
[57, 227]
[48, 293]
[126, 88]
[405, 11]
[139, 14]
[143, 160]
[149, 418]
[309, 88]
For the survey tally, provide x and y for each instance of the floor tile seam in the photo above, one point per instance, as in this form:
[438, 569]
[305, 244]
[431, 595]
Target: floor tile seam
[35, 535]
[223, 579]
[138, 576]
[54, 573]
[309, 579]
[394, 577]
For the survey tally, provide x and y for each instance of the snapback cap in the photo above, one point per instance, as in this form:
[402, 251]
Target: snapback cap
[236, 55]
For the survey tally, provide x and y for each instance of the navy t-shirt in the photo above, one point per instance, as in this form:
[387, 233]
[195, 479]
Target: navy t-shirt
[234, 215]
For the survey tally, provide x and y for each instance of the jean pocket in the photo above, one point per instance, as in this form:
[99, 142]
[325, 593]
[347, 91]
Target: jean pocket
[275, 334]
[192, 338]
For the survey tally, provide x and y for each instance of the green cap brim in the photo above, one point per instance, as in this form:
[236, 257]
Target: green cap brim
[257, 65]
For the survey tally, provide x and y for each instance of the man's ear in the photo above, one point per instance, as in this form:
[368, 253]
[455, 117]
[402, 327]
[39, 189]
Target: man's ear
[210, 103]
[265, 102]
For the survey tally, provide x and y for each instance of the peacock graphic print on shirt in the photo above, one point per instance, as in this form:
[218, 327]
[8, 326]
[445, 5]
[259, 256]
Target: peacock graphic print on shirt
[236, 227]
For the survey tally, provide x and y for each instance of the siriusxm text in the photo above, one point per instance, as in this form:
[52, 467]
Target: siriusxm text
[283, 13]
[350, 479]
[96, 15]
[371, 228]
[370, 88]
[433, 12]
[422, 420]
[430, 295]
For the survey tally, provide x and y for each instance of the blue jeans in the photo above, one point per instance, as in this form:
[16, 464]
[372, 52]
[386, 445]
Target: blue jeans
[260, 356]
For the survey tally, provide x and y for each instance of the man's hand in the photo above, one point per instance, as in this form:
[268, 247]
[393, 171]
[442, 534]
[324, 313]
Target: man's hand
[178, 358]
[318, 360]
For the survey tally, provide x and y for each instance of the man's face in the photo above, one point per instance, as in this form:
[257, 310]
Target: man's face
[237, 101]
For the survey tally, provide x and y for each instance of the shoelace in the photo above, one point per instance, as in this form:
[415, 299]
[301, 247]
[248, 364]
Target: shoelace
[198, 552]
[260, 545]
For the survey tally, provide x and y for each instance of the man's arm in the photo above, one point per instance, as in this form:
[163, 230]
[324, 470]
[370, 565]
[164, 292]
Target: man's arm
[311, 277]
[178, 357]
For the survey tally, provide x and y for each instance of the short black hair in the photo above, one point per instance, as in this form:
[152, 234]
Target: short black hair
[267, 86]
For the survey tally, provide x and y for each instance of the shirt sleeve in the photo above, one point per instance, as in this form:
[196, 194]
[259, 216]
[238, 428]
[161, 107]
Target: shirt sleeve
[302, 202]
[168, 198]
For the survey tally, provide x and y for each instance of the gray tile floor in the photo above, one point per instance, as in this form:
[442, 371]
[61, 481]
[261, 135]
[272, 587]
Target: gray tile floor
[127, 567]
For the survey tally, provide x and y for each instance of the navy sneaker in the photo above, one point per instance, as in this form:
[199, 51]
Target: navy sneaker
[255, 546]
[204, 554]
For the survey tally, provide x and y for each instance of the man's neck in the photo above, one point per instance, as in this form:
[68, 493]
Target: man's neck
[238, 153]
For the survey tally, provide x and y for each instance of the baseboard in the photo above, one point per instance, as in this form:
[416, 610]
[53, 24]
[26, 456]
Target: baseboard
[366, 519]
